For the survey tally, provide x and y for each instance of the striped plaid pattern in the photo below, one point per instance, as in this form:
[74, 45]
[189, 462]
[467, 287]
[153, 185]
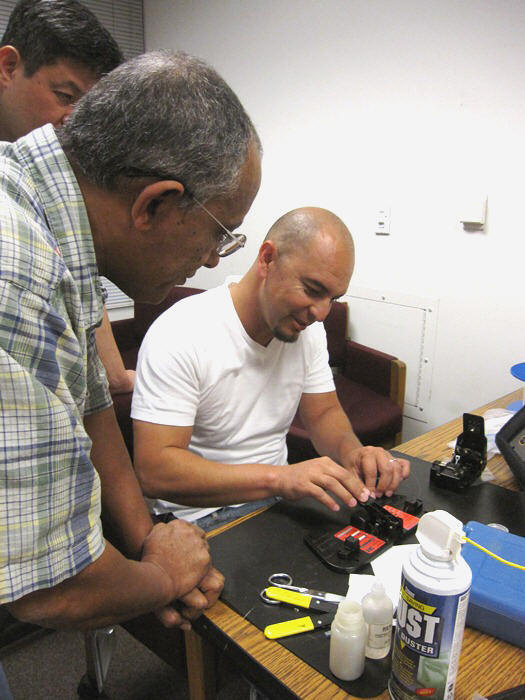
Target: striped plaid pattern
[50, 373]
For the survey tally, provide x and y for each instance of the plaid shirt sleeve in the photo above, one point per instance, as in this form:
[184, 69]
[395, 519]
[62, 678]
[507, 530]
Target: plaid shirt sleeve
[49, 490]
[98, 396]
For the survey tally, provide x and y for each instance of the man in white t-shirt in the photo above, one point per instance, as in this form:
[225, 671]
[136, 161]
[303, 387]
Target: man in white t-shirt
[221, 375]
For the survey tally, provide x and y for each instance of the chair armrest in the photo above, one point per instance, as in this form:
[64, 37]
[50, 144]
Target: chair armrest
[383, 373]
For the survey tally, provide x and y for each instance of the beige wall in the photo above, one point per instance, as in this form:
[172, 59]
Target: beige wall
[413, 104]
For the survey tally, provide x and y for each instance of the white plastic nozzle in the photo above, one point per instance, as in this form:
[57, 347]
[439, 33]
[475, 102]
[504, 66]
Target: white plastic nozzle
[378, 588]
[346, 605]
[440, 535]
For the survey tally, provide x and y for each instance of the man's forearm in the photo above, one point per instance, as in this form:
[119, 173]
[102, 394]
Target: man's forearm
[110, 590]
[180, 475]
[332, 435]
[123, 508]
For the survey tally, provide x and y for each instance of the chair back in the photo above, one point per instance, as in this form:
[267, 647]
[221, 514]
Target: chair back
[336, 326]
[145, 314]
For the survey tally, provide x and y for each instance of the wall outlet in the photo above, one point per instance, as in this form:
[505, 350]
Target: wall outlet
[382, 222]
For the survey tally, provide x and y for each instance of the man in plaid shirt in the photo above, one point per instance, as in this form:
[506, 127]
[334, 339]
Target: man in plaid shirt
[117, 192]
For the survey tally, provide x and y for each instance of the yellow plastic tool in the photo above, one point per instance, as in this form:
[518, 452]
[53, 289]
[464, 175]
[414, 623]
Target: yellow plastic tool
[287, 629]
[301, 600]
[290, 597]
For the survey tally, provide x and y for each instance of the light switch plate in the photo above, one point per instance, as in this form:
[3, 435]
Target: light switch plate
[382, 223]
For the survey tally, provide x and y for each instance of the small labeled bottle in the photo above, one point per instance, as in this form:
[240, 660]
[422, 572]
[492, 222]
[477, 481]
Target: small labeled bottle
[378, 612]
[348, 641]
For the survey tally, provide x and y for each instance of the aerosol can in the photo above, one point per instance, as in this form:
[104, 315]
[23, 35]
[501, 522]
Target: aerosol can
[435, 586]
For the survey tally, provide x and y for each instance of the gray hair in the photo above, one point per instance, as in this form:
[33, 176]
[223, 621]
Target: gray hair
[163, 115]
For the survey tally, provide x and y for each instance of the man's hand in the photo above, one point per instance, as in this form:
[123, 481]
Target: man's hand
[200, 598]
[181, 551]
[370, 471]
[318, 478]
[204, 596]
[356, 480]
[124, 383]
[380, 472]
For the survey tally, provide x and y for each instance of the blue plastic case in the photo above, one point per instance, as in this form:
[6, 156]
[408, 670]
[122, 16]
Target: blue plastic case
[497, 602]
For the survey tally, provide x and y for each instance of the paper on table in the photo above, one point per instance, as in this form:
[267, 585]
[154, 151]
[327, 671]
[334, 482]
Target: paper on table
[360, 585]
[387, 569]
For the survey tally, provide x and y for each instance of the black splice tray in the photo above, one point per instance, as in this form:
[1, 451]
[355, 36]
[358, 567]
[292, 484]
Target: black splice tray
[373, 527]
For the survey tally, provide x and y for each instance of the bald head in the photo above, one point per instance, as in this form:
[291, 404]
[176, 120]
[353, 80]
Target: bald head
[303, 265]
[296, 231]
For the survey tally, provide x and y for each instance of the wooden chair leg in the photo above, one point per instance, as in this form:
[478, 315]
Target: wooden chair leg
[200, 664]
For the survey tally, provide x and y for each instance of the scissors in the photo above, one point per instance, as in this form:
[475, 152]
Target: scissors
[284, 582]
[282, 591]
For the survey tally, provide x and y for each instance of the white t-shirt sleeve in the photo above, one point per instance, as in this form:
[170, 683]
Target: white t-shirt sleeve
[318, 379]
[167, 385]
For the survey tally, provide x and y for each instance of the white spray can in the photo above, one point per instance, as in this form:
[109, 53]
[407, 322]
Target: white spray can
[378, 612]
[435, 586]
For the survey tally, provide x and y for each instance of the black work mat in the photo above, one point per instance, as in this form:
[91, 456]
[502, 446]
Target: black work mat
[273, 542]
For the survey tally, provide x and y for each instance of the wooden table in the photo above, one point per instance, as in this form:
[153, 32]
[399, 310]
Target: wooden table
[487, 665]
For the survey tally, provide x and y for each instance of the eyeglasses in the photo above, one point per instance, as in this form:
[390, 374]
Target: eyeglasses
[229, 243]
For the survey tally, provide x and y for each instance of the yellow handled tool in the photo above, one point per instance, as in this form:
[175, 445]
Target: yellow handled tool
[297, 626]
[281, 591]
[283, 595]
[284, 580]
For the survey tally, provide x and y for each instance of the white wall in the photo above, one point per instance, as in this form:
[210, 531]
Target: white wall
[411, 104]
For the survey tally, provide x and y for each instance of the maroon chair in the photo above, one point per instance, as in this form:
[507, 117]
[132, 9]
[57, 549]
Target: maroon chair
[370, 386]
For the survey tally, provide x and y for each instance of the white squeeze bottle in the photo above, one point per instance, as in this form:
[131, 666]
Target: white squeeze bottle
[378, 612]
[348, 641]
